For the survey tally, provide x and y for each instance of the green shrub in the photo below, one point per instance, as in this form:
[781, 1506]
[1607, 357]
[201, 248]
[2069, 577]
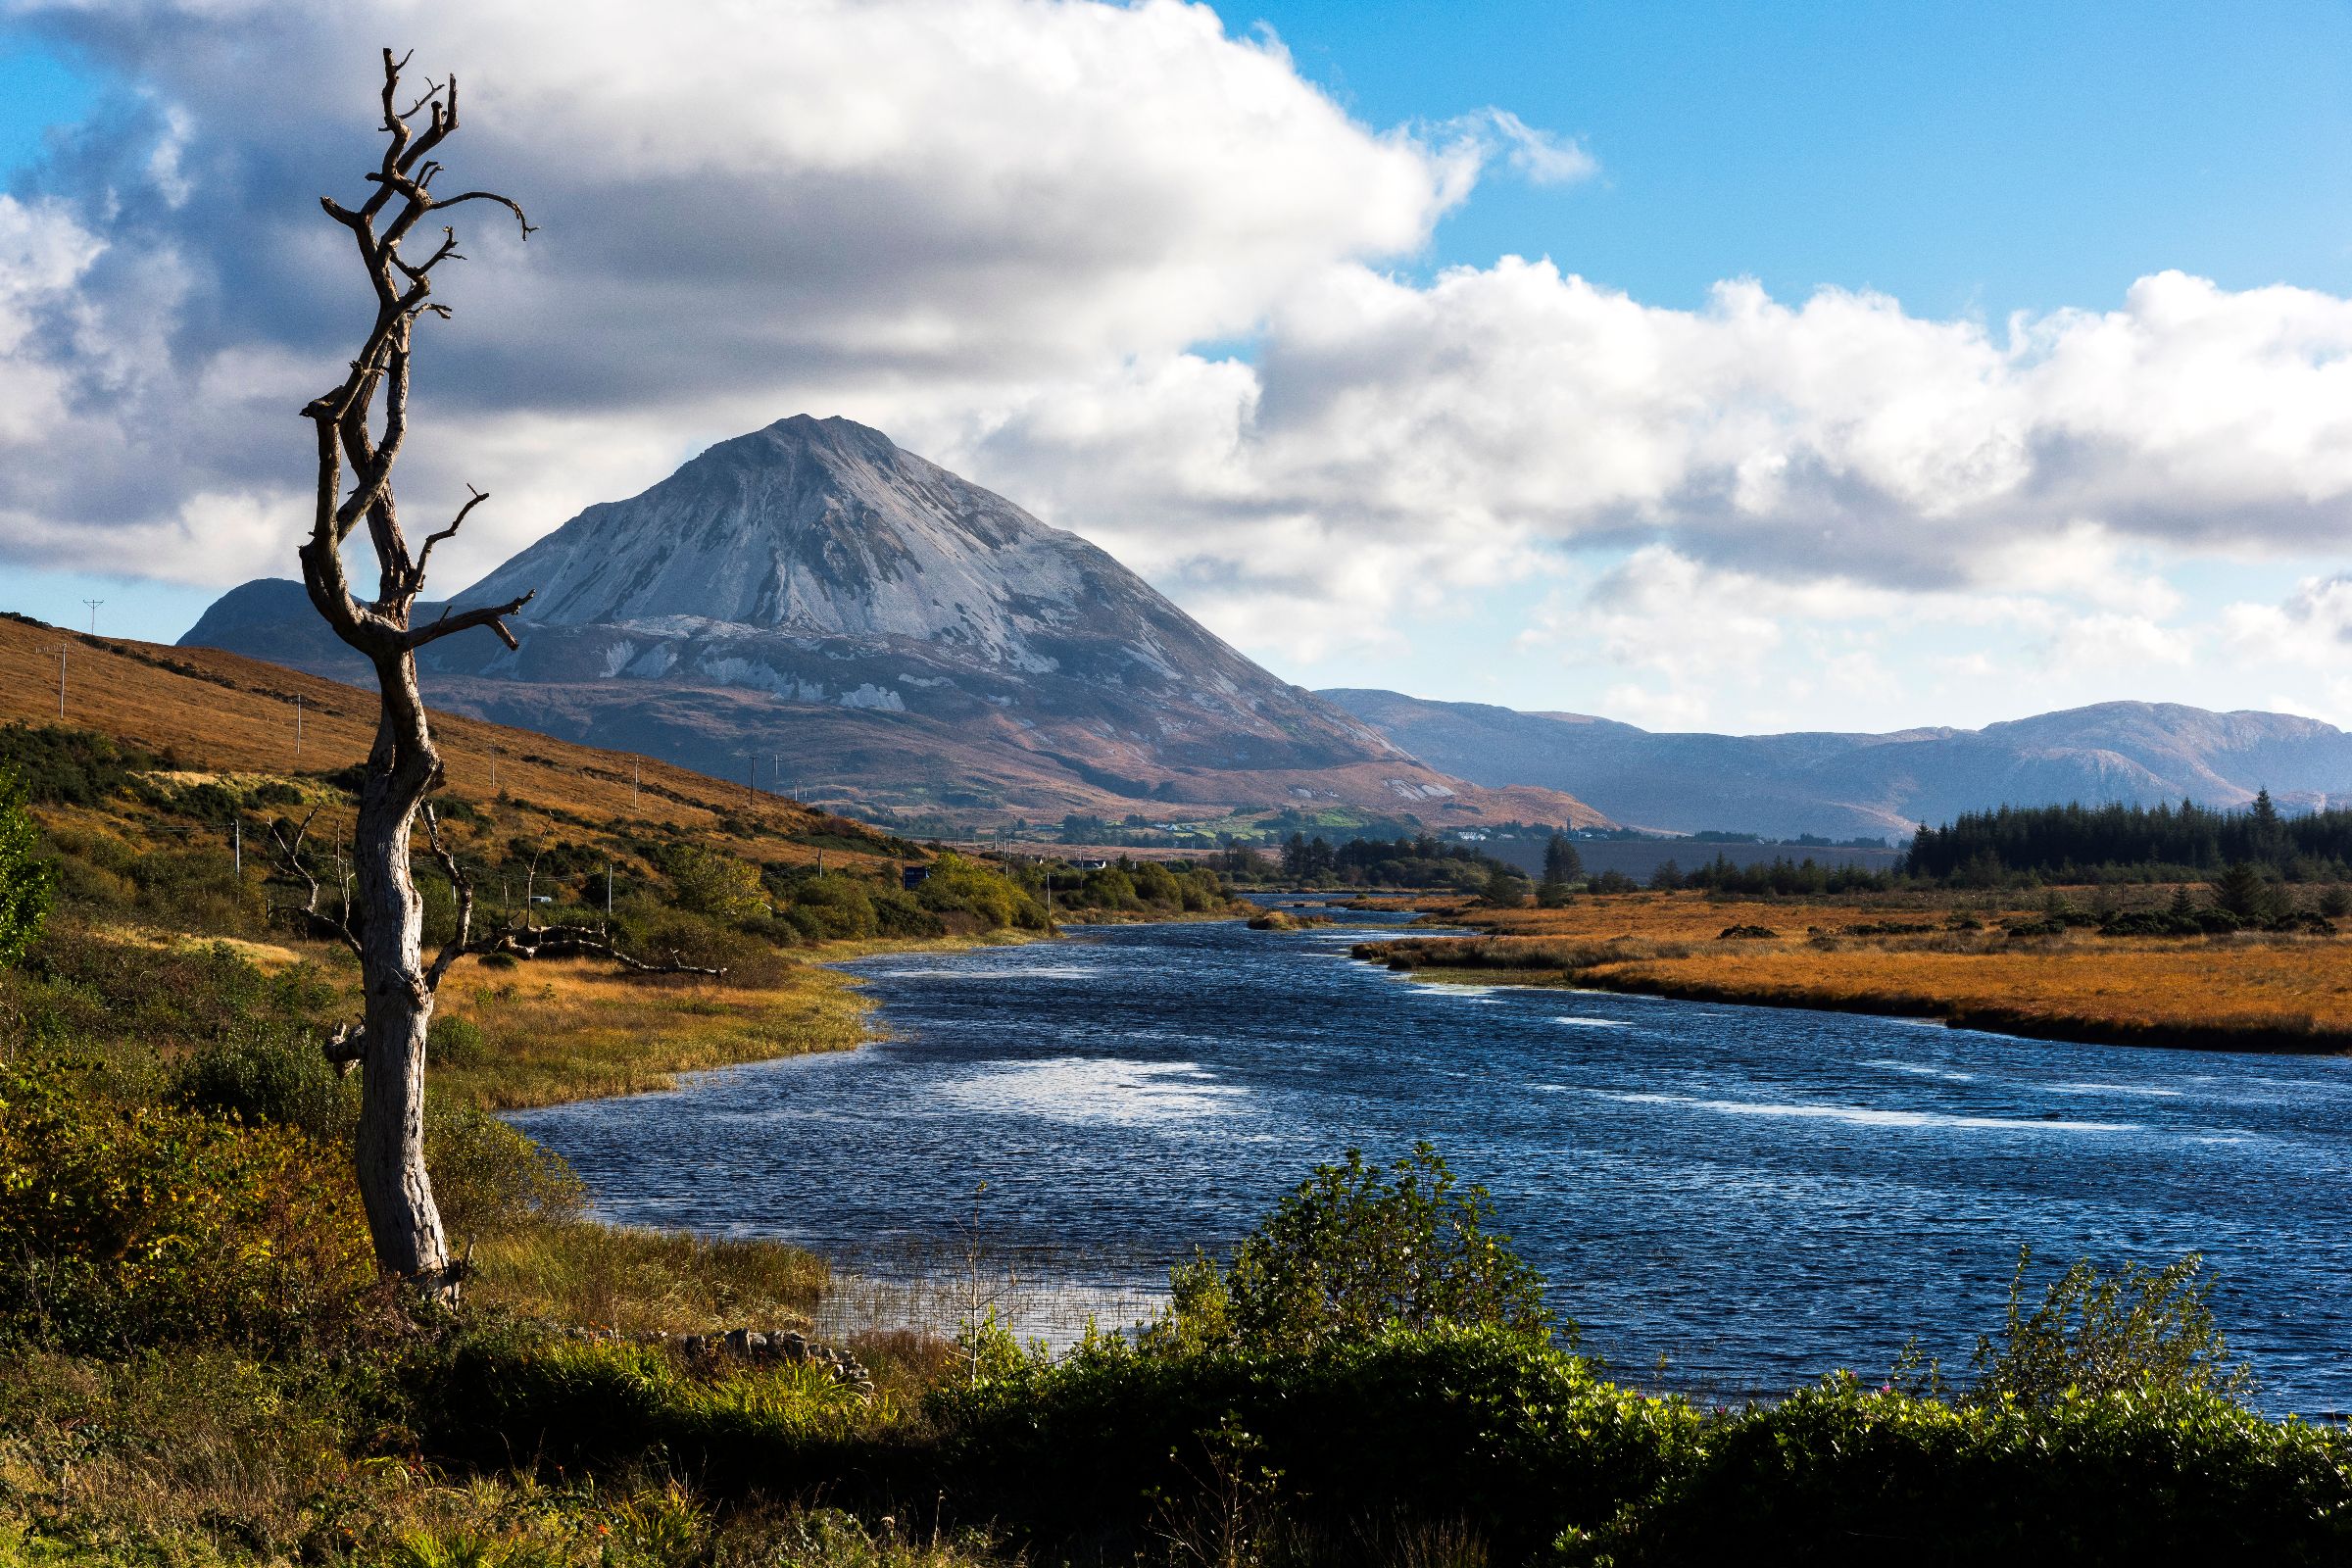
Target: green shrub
[696, 939]
[1499, 1430]
[87, 985]
[833, 908]
[717, 885]
[488, 1179]
[1355, 1250]
[982, 897]
[278, 1077]
[2094, 1334]
[1110, 888]
[68, 766]
[1845, 1474]
[898, 913]
[500, 1390]
[27, 884]
[129, 1225]
[454, 1042]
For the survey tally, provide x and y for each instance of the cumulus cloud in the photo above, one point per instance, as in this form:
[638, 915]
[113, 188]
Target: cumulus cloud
[895, 208]
[1003, 230]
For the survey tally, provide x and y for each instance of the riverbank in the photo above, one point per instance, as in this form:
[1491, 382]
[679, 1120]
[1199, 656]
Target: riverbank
[1973, 962]
[278, 1409]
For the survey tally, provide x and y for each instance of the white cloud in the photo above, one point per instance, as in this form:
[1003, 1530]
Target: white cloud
[2110, 641]
[1540, 157]
[1001, 229]
[910, 210]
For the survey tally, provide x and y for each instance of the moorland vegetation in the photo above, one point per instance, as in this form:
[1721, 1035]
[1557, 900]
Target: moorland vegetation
[200, 1363]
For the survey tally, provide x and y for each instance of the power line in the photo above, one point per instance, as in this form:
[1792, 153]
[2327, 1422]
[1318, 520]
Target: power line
[93, 603]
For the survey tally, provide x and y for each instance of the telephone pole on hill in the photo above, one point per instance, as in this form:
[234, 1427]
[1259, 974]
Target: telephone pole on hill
[93, 603]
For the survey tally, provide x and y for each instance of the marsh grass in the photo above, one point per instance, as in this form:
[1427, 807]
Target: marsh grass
[2248, 991]
[560, 1032]
[644, 1282]
[204, 1458]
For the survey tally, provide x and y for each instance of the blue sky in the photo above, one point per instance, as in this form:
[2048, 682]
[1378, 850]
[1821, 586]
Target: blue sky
[1969, 162]
[1973, 158]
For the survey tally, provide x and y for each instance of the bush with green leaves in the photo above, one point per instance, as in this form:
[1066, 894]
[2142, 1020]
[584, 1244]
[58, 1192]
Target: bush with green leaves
[717, 885]
[124, 1225]
[971, 896]
[2095, 1334]
[1845, 1473]
[265, 1076]
[1357, 1249]
[70, 767]
[82, 986]
[1512, 1435]
[27, 882]
[832, 907]
[490, 1180]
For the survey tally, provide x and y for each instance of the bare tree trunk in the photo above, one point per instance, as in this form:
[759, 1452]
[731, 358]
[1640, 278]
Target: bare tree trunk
[383, 923]
[403, 1220]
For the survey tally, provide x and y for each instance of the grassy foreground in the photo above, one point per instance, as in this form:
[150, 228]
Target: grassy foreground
[198, 1365]
[1972, 959]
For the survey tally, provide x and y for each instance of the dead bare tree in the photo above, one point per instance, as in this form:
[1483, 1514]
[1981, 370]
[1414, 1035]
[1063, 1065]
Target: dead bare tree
[384, 922]
[382, 918]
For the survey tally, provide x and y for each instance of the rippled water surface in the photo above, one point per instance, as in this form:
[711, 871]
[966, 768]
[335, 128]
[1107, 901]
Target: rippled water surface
[1758, 1195]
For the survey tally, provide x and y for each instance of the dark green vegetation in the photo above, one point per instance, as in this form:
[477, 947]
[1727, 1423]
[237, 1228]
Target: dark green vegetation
[132, 840]
[1399, 863]
[2185, 842]
[26, 881]
[198, 1365]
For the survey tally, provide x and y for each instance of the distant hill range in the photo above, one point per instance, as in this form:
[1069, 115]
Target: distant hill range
[1849, 785]
[863, 626]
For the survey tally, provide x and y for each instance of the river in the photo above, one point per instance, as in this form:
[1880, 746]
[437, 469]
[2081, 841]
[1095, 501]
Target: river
[1754, 1195]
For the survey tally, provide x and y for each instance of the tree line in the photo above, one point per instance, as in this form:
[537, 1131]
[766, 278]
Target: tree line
[2161, 842]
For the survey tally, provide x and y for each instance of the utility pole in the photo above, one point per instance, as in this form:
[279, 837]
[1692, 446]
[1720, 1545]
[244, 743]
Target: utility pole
[61, 681]
[298, 732]
[93, 603]
[493, 770]
[608, 886]
[636, 774]
[236, 844]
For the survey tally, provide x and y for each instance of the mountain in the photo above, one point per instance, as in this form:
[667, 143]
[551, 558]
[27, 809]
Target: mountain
[1843, 785]
[848, 619]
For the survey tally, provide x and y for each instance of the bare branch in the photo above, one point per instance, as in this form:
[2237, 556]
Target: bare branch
[432, 91]
[345, 1046]
[508, 202]
[527, 940]
[447, 251]
[462, 886]
[490, 615]
[296, 869]
[455, 523]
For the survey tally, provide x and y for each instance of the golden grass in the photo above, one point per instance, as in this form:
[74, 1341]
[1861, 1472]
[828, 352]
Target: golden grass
[645, 1281]
[558, 1031]
[202, 1458]
[2242, 992]
[222, 714]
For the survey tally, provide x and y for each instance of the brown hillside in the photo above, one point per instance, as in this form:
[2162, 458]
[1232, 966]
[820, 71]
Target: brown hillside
[224, 712]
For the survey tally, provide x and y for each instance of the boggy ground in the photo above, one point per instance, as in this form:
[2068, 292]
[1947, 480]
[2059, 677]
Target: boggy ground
[1950, 955]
